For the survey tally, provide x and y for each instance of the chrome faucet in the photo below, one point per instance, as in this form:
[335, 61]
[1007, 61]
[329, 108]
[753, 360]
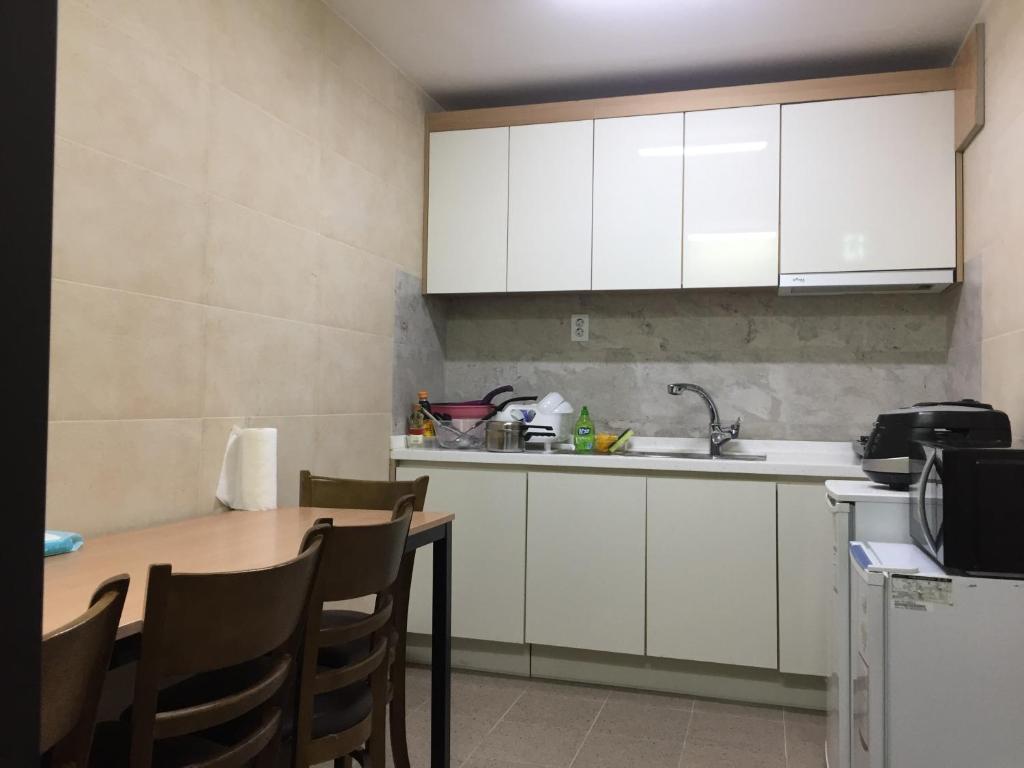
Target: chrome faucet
[718, 435]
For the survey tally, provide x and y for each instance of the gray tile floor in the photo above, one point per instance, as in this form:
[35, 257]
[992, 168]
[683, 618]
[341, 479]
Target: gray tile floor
[501, 722]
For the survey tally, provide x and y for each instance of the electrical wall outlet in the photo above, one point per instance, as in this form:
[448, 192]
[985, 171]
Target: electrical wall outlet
[579, 327]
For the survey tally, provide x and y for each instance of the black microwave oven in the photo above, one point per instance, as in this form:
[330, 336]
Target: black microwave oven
[967, 508]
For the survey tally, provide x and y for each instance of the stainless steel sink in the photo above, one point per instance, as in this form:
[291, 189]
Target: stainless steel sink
[660, 453]
[670, 454]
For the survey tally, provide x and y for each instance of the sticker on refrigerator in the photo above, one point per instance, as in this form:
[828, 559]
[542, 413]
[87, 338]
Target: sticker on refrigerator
[920, 593]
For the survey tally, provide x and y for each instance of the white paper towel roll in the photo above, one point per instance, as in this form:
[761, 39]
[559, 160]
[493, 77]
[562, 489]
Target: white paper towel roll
[248, 476]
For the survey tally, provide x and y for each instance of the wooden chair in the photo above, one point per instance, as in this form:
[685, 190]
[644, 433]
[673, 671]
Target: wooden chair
[74, 664]
[217, 666]
[339, 493]
[342, 705]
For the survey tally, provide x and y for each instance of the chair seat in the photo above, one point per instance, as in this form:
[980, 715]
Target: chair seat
[112, 745]
[349, 653]
[338, 711]
[333, 712]
[342, 655]
[209, 686]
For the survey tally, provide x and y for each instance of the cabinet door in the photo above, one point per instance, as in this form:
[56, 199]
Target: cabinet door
[467, 211]
[488, 552]
[550, 205]
[731, 198]
[585, 561]
[711, 571]
[869, 184]
[805, 578]
[638, 202]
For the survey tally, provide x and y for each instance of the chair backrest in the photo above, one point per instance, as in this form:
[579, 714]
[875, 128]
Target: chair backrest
[363, 560]
[341, 493]
[196, 623]
[358, 561]
[74, 665]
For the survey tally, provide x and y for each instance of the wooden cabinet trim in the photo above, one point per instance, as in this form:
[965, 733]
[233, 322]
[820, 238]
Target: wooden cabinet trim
[789, 92]
[969, 84]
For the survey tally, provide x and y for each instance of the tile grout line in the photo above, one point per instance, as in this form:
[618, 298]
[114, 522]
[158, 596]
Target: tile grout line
[188, 302]
[493, 727]
[689, 722]
[590, 730]
[236, 417]
[1002, 334]
[785, 738]
[383, 55]
[205, 191]
[212, 80]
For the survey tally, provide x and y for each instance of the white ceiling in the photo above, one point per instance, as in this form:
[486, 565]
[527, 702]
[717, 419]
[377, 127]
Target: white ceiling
[468, 53]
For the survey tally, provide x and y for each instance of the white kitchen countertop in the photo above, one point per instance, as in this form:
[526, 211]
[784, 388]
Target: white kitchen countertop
[784, 458]
[852, 491]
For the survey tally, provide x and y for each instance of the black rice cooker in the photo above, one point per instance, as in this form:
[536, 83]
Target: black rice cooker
[962, 422]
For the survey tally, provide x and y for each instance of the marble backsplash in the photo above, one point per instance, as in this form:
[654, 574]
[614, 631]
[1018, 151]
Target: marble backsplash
[964, 361]
[803, 368]
[419, 347]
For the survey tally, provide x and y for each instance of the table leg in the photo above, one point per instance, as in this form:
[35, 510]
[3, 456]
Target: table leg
[396, 711]
[441, 654]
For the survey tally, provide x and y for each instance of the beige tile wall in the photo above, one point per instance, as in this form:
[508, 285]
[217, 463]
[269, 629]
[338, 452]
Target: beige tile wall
[994, 206]
[237, 182]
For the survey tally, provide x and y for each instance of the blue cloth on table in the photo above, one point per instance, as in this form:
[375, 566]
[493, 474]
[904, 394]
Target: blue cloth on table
[59, 542]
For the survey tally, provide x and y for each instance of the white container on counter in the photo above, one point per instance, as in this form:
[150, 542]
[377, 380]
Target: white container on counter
[552, 410]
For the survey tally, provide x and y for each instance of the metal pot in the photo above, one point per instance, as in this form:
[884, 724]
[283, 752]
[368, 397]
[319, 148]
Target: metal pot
[476, 410]
[511, 436]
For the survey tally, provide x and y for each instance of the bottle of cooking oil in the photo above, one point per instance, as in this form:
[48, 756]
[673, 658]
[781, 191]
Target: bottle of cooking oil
[583, 432]
[428, 423]
[414, 428]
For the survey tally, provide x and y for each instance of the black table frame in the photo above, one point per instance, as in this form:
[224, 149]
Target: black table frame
[441, 642]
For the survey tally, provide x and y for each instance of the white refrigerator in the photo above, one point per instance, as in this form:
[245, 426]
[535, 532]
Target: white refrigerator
[938, 678]
[860, 509]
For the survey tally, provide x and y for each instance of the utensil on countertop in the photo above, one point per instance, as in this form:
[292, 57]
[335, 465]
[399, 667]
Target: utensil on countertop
[495, 392]
[474, 410]
[449, 436]
[512, 436]
[552, 410]
[460, 435]
[485, 400]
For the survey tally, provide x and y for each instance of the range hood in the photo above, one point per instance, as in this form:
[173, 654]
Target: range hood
[891, 281]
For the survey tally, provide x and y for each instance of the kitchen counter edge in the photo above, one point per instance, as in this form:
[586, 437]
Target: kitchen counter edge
[803, 459]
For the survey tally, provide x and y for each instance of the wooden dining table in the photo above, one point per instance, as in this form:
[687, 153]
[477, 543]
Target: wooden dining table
[242, 540]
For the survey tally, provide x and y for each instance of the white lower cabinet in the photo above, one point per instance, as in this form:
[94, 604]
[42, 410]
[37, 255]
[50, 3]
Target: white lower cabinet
[711, 562]
[585, 561]
[488, 552]
[805, 578]
[727, 571]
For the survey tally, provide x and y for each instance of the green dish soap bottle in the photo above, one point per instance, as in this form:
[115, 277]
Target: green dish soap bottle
[583, 433]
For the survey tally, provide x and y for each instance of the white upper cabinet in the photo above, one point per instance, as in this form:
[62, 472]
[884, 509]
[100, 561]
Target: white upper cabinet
[550, 190]
[638, 202]
[731, 198]
[727, 198]
[869, 184]
[467, 219]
